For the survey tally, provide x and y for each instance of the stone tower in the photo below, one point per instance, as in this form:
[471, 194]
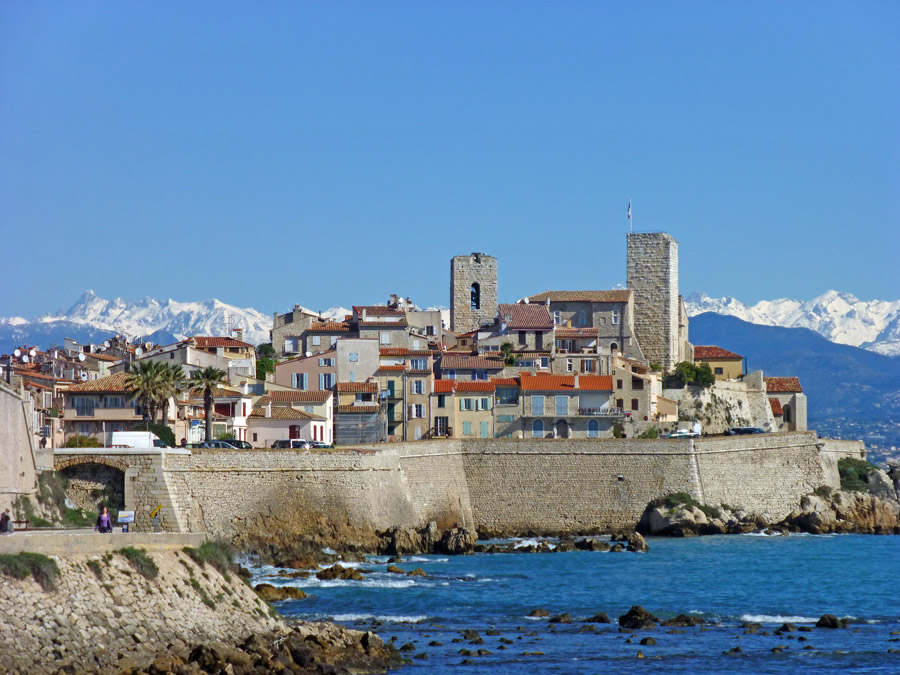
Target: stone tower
[473, 291]
[653, 280]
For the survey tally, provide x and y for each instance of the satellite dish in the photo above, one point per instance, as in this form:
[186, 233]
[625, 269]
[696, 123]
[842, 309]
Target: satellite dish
[139, 351]
[84, 376]
[25, 358]
[107, 344]
[17, 353]
[81, 356]
[309, 353]
[148, 345]
[32, 353]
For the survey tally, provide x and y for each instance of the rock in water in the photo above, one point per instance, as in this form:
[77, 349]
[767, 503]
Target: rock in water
[683, 620]
[638, 618]
[831, 621]
[636, 543]
[271, 593]
[457, 541]
[338, 571]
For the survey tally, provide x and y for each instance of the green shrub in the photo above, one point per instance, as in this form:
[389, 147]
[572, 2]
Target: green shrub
[94, 566]
[37, 521]
[216, 553]
[43, 569]
[140, 561]
[52, 491]
[652, 432]
[675, 499]
[854, 474]
[618, 429]
[163, 433]
[79, 518]
[83, 442]
[823, 491]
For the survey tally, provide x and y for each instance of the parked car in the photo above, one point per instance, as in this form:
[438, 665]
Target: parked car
[743, 431]
[221, 445]
[295, 443]
[321, 444]
[241, 445]
[683, 433]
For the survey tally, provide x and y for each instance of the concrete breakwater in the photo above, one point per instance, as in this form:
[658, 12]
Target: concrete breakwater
[493, 485]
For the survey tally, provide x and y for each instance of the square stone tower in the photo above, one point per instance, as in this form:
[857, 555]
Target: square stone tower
[653, 279]
[473, 291]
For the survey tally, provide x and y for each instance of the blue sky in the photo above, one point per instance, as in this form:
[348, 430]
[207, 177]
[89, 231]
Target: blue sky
[275, 153]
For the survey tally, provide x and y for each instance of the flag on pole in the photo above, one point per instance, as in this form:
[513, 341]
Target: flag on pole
[629, 209]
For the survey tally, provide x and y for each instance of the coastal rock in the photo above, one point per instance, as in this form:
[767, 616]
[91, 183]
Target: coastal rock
[338, 571]
[561, 618]
[591, 544]
[638, 618]
[271, 593]
[598, 618]
[636, 543]
[457, 541]
[845, 511]
[831, 621]
[683, 620]
[538, 613]
[881, 485]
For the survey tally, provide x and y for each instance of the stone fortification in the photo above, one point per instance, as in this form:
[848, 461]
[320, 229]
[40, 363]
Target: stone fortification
[17, 469]
[473, 291]
[652, 276]
[92, 623]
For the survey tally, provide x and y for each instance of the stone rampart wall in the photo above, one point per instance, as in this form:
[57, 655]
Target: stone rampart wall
[90, 623]
[17, 469]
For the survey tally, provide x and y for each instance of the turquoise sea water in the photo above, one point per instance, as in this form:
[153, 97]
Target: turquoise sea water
[726, 579]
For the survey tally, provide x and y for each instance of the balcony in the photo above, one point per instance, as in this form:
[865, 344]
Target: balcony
[602, 412]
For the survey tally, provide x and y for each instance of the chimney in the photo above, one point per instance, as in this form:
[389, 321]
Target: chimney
[245, 388]
[269, 409]
[238, 334]
[364, 314]
[576, 380]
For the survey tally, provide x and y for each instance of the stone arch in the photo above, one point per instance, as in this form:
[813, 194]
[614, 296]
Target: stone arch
[90, 483]
[537, 429]
[61, 462]
[562, 429]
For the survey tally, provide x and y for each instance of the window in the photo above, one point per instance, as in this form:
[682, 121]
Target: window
[417, 411]
[429, 330]
[353, 357]
[557, 318]
[507, 396]
[451, 375]
[537, 429]
[562, 405]
[620, 402]
[467, 428]
[587, 366]
[353, 376]
[482, 404]
[479, 375]
[326, 362]
[523, 337]
[506, 418]
[527, 363]
[593, 429]
[582, 318]
[635, 404]
[485, 430]
[417, 344]
[255, 437]
[385, 337]
[316, 340]
[787, 413]
[418, 364]
[417, 387]
[466, 404]
[538, 340]
[615, 317]
[84, 407]
[718, 371]
[171, 355]
[418, 433]
[113, 401]
[442, 401]
[545, 361]
[326, 381]
[308, 408]
[476, 296]
[613, 347]
[569, 365]
[537, 405]
[618, 384]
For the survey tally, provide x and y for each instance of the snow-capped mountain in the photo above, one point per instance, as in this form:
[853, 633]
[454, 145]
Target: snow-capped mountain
[839, 317]
[154, 320]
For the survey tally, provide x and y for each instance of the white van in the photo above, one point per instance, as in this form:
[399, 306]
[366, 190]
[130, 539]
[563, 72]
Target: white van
[135, 439]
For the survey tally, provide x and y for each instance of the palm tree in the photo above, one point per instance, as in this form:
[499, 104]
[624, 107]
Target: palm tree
[207, 379]
[509, 357]
[145, 379]
[171, 378]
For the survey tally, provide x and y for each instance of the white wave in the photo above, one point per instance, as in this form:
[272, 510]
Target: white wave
[425, 560]
[380, 617]
[329, 551]
[777, 618]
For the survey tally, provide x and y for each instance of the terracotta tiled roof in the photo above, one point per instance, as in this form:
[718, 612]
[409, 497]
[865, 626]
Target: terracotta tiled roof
[452, 361]
[357, 387]
[444, 386]
[713, 352]
[776, 406]
[330, 326]
[525, 316]
[581, 296]
[115, 383]
[102, 357]
[785, 384]
[297, 396]
[402, 323]
[377, 310]
[399, 367]
[475, 386]
[357, 408]
[576, 332]
[283, 412]
[202, 341]
[505, 381]
[566, 382]
[403, 351]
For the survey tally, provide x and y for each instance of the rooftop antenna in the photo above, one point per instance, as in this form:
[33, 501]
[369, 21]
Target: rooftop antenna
[630, 221]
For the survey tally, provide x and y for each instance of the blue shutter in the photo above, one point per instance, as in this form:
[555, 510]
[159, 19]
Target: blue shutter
[321, 381]
[294, 380]
[304, 381]
[467, 428]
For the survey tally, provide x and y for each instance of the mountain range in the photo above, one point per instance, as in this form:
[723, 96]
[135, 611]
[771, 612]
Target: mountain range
[839, 317]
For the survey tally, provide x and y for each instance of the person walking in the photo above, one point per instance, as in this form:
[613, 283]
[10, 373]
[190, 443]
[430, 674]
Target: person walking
[5, 523]
[104, 521]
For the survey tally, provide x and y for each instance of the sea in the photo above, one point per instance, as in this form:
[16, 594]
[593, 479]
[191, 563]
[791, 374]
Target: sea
[731, 581]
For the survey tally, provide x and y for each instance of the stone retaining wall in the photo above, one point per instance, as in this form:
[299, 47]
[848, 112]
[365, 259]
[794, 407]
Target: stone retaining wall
[88, 622]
